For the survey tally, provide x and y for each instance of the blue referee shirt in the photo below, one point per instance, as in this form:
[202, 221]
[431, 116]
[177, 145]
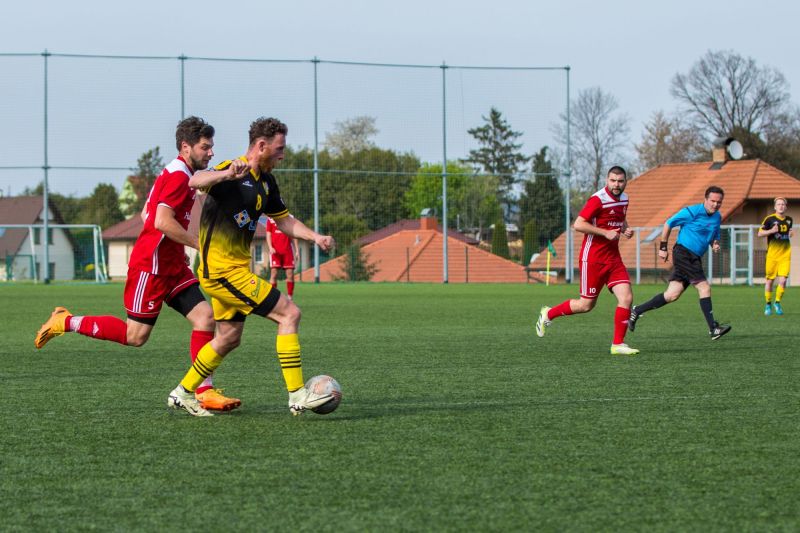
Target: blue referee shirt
[698, 228]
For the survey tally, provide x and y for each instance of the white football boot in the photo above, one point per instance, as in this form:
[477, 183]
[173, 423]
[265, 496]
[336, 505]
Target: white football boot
[543, 321]
[179, 398]
[303, 399]
[623, 349]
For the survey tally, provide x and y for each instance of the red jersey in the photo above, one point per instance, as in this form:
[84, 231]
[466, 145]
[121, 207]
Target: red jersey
[153, 251]
[605, 211]
[281, 242]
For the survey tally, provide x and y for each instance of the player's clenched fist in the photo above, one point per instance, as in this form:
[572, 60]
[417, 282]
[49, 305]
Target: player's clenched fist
[325, 242]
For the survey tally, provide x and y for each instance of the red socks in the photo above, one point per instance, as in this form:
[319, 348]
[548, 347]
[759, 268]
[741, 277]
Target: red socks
[290, 288]
[562, 309]
[104, 328]
[621, 316]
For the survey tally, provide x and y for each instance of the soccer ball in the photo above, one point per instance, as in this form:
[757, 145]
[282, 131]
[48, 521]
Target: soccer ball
[325, 385]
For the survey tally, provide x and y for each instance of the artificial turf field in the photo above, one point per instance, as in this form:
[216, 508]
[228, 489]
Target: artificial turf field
[455, 417]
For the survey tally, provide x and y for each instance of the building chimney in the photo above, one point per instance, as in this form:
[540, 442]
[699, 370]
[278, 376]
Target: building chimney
[723, 150]
[427, 223]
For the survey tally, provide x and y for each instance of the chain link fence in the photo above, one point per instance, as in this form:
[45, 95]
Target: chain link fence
[75, 121]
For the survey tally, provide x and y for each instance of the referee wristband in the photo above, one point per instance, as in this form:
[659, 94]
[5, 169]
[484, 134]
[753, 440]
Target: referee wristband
[662, 246]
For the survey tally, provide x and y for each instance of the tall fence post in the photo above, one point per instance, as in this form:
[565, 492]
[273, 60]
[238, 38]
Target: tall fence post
[568, 254]
[315, 62]
[444, 173]
[46, 187]
[182, 58]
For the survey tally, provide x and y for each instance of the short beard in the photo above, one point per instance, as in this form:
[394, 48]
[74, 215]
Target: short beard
[198, 164]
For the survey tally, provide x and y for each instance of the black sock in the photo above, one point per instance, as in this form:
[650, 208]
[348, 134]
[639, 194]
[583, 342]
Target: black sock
[653, 303]
[705, 305]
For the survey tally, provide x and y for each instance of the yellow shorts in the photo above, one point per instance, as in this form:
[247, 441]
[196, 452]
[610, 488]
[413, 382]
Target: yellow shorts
[239, 293]
[778, 267]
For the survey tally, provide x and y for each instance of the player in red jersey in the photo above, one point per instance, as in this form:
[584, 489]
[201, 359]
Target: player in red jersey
[602, 221]
[157, 271]
[283, 254]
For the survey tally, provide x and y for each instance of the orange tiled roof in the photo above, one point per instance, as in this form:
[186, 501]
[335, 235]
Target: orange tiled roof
[660, 192]
[416, 255]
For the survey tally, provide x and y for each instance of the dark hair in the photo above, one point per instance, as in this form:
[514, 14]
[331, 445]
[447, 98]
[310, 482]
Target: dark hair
[715, 189]
[191, 130]
[267, 128]
[616, 169]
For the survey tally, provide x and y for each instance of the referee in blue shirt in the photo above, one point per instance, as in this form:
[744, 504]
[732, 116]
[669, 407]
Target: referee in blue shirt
[699, 225]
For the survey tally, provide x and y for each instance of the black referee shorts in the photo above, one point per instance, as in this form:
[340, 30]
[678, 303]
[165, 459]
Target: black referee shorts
[687, 267]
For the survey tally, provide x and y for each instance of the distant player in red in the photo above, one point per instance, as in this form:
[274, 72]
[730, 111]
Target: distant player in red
[283, 254]
[602, 221]
[157, 270]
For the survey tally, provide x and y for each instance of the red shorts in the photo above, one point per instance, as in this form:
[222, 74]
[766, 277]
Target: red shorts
[282, 260]
[146, 292]
[595, 275]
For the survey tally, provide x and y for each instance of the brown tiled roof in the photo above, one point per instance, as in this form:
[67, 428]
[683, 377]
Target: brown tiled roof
[416, 255]
[21, 210]
[409, 224]
[659, 193]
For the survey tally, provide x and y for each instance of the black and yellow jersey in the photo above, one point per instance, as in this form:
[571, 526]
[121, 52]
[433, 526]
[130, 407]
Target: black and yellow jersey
[778, 242]
[230, 217]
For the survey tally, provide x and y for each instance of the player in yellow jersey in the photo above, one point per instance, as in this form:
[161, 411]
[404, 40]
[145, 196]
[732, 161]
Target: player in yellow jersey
[239, 192]
[777, 228]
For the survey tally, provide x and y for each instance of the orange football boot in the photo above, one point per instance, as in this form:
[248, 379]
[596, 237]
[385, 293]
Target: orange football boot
[55, 326]
[213, 400]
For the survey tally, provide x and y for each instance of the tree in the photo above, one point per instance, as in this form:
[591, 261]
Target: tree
[598, 133]
[102, 207]
[344, 228]
[498, 154]
[727, 95]
[425, 189]
[542, 200]
[479, 204]
[670, 140]
[724, 91]
[351, 135]
[500, 239]
[356, 265]
[530, 242]
[369, 184]
[137, 186]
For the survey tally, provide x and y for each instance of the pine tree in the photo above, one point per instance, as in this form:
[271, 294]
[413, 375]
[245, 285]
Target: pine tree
[530, 242]
[500, 239]
[498, 154]
[542, 200]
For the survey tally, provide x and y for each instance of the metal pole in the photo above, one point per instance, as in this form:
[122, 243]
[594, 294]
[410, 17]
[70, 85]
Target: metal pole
[638, 257]
[750, 257]
[96, 255]
[568, 255]
[182, 59]
[444, 173]
[46, 187]
[315, 62]
[732, 232]
[711, 267]
[466, 264]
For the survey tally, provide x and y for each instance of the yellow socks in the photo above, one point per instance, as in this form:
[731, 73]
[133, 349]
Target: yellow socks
[204, 365]
[288, 347]
[768, 296]
[779, 293]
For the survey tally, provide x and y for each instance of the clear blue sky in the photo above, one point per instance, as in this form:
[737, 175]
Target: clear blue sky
[630, 49]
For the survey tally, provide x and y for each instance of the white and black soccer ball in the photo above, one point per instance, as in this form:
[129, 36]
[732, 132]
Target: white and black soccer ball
[325, 385]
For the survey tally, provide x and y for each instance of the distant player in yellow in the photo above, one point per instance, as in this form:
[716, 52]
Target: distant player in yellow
[777, 228]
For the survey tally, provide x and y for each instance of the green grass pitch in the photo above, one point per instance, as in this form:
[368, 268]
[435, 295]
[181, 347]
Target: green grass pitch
[455, 417]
